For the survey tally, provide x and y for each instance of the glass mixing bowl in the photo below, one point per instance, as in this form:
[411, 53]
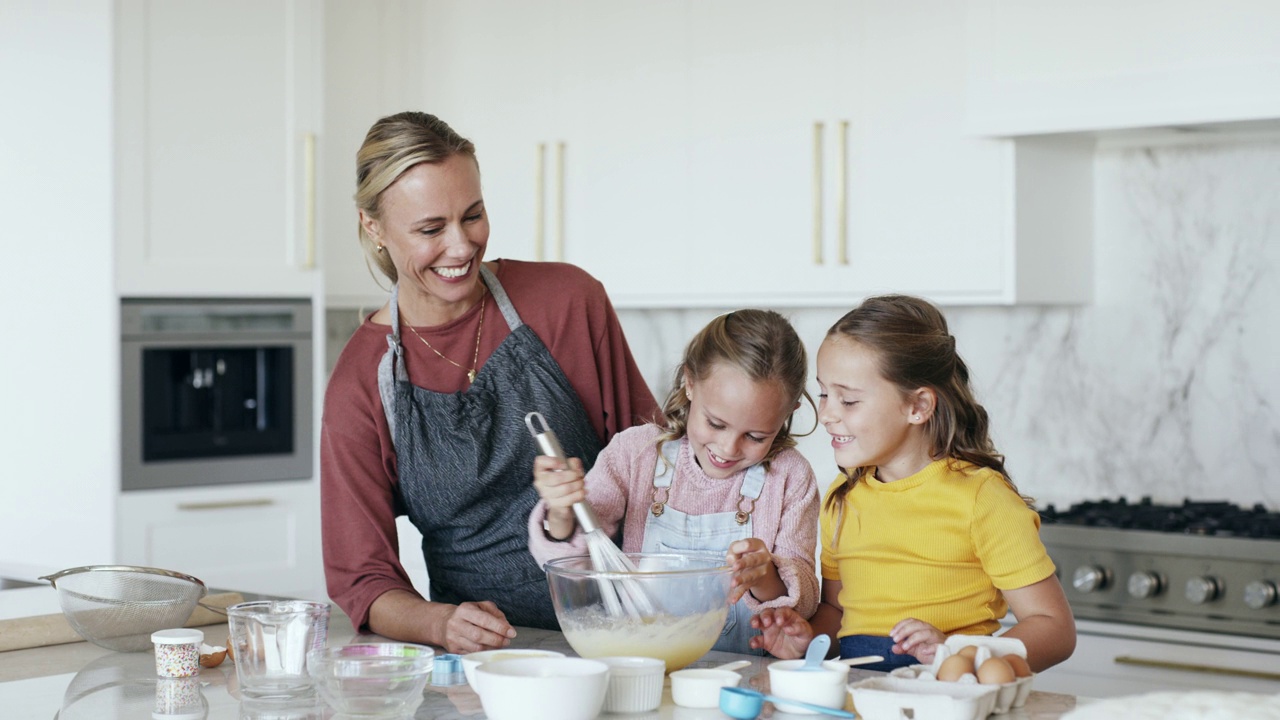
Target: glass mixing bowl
[673, 608]
[371, 679]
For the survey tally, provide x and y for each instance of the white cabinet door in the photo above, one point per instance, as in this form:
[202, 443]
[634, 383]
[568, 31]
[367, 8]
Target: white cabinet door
[256, 537]
[769, 88]
[626, 200]
[489, 71]
[215, 167]
[1039, 66]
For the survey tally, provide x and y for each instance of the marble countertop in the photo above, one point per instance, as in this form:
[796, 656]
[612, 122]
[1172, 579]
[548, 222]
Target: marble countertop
[81, 680]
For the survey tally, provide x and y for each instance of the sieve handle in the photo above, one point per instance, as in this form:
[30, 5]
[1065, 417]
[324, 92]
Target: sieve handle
[549, 445]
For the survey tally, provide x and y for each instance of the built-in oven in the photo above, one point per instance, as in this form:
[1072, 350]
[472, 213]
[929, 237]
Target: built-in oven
[215, 391]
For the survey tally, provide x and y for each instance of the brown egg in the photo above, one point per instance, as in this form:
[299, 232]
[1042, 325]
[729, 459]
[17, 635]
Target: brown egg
[995, 671]
[954, 667]
[1019, 665]
[969, 651]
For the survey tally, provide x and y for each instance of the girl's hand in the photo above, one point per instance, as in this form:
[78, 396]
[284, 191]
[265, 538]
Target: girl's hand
[916, 638]
[783, 633]
[753, 568]
[561, 485]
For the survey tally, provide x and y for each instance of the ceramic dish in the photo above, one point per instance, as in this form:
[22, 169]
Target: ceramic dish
[471, 661]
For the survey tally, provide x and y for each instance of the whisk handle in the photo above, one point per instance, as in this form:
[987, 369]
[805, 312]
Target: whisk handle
[549, 444]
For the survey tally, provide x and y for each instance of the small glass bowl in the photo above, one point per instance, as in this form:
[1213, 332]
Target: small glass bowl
[371, 679]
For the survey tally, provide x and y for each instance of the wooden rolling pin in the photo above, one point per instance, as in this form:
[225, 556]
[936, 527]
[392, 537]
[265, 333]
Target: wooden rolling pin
[42, 630]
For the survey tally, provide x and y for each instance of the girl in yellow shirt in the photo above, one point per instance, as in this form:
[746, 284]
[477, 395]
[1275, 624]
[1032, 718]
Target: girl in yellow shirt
[923, 533]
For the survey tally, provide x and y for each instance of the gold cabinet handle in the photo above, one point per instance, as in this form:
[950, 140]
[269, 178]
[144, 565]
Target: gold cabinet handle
[817, 193]
[560, 201]
[842, 193]
[539, 200]
[309, 199]
[226, 504]
[1188, 667]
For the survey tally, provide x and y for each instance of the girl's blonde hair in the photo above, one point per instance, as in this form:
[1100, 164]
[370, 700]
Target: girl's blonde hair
[914, 349]
[760, 343]
[392, 146]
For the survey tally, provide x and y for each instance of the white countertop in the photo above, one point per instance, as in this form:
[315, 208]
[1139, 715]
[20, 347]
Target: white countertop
[80, 680]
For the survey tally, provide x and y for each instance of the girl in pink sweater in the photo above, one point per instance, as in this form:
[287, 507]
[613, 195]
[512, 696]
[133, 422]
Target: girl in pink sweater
[720, 474]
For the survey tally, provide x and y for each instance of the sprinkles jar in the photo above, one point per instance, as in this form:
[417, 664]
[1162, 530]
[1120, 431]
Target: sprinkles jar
[177, 652]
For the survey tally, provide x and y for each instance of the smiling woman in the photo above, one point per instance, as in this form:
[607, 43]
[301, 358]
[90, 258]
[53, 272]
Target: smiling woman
[433, 427]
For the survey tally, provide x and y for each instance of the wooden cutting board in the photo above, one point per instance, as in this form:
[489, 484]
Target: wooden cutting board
[18, 632]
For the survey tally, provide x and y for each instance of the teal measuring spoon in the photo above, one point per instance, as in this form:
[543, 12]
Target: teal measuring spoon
[743, 704]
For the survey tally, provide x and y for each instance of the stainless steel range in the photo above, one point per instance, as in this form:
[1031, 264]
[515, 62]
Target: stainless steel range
[1207, 566]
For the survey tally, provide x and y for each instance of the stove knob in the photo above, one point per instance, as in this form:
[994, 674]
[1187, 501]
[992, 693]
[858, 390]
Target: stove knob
[1145, 584]
[1259, 594]
[1203, 589]
[1090, 578]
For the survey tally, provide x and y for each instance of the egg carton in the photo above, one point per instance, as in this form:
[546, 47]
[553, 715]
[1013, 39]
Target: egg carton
[1007, 695]
[892, 698]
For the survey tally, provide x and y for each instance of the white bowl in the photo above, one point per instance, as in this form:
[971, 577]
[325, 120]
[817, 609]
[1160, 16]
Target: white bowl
[542, 688]
[473, 660]
[635, 684]
[825, 687]
[700, 687]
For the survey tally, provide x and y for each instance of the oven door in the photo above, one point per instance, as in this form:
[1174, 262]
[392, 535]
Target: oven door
[1114, 659]
[215, 392]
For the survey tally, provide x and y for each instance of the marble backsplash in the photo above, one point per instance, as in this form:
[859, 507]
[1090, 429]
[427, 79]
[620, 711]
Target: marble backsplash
[1167, 385]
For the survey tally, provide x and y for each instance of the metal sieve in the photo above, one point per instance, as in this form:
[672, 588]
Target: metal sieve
[118, 606]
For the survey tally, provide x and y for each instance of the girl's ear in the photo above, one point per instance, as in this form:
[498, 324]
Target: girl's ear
[923, 402]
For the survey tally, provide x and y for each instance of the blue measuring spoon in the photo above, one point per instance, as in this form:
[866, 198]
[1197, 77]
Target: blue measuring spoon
[743, 704]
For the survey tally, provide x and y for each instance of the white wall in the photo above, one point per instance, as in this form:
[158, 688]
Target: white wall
[59, 371]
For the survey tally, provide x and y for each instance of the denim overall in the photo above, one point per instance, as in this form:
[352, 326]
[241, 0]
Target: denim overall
[465, 465]
[711, 534]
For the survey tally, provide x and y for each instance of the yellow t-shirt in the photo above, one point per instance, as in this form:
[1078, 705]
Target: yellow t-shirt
[938, 546]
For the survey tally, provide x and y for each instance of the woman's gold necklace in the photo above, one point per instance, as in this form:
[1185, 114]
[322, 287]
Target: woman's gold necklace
[475, 358]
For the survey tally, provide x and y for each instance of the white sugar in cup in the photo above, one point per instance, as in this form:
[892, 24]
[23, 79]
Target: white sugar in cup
[177, 652]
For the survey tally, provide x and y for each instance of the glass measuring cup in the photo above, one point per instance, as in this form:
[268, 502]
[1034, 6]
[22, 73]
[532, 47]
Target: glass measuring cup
[271, 640]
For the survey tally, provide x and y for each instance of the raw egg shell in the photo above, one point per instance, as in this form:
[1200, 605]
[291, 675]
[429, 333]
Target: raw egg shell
[954, 667]
[1019, 665]
[969, 651]
[995, 671]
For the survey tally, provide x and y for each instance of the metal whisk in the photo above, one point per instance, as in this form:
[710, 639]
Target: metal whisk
[621, 595]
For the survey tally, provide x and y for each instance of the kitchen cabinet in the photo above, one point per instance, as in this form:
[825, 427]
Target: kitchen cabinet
[1043, 66]
[263, 537]
[216, 130]
[720, 153]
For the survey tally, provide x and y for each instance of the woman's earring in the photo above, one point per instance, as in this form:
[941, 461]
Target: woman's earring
[381, 247]
[688, 395]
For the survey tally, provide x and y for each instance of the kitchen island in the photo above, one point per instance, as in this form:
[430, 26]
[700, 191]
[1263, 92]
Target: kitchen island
[80, 680]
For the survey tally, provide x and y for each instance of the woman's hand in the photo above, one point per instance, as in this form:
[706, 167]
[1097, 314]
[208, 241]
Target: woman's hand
[475, 626]
[916, 638]
[560, 485]
[753, 570]
[783, 633]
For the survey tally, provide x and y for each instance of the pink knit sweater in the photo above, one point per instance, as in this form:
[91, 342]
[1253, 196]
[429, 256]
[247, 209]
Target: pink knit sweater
[620, 488]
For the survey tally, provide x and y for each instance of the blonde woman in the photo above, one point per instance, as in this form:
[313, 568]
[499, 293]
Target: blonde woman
[424, 411]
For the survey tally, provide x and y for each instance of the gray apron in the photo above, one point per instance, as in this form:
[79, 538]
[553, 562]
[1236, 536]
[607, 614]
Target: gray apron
[465, 464]
[669, 530]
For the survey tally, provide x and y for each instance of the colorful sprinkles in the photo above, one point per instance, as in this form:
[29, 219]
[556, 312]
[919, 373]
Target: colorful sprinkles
[177, 652]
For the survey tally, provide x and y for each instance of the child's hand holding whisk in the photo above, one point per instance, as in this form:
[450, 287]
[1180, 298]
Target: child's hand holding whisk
[754, 571]
[560, 483]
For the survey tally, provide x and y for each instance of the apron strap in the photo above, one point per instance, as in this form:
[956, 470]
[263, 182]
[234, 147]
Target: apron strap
[500, 297]
[664, 473]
